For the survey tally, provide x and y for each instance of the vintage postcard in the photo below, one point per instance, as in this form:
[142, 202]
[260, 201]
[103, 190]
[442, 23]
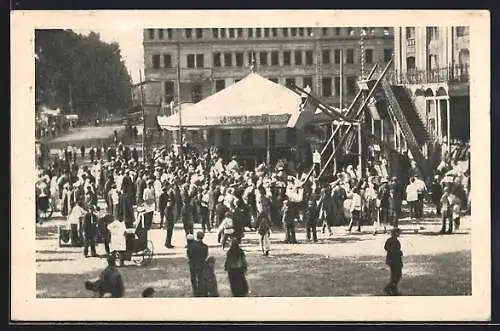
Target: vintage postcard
[250, 165]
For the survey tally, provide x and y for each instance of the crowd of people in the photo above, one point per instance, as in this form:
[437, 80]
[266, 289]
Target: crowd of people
[200, 187]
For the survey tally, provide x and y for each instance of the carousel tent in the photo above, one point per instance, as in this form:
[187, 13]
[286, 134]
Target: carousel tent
[254, 102]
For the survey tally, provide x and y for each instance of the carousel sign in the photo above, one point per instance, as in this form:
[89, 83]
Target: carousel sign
[254, 120]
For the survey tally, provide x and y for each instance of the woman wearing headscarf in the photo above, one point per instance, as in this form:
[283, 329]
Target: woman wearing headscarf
[236, 267]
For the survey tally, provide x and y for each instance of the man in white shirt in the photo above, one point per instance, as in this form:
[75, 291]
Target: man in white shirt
[421, 191]
[149, 197]
[412, 199]
[355, 209]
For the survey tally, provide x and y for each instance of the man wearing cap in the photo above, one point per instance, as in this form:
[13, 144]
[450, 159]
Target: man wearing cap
[197, 253]
[383, 204]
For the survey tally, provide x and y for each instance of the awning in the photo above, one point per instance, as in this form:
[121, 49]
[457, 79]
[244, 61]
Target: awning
[254, 102]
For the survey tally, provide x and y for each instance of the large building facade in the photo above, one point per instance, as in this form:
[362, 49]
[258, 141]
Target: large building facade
[212, 59]
[433, 63]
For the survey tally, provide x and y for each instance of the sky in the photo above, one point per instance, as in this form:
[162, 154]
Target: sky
[130, 42]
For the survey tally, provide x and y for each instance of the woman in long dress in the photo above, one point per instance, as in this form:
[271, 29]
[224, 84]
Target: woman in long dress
[236, 267]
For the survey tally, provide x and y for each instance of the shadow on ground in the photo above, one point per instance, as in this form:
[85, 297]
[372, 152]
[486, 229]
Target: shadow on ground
[287, 274]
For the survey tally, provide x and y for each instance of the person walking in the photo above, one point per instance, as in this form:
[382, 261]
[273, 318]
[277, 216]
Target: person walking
[197, 253]
[394, 259]
[208, 286]
[412, 199]
[170, 216]
[236, 267]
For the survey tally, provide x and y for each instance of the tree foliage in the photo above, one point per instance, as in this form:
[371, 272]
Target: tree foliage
[80, 72]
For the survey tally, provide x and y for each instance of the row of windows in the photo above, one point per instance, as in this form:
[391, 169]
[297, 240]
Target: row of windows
[272, 58]
[432, 32]
[224, 33]
[329, 86]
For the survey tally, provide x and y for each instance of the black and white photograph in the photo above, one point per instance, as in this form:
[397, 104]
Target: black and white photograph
[223, 156]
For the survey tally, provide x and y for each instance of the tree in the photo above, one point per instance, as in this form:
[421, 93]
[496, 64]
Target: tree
[80, 73]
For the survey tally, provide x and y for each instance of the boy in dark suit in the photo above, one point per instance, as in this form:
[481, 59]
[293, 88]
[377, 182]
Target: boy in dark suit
[394, 260]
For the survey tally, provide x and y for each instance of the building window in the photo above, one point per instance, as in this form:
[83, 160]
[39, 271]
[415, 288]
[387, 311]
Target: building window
[250, 32]
[309, 32]
[432, 33]
[337, 86]
[337, 56]
[371, 30]
[369, 56]
[200, 61]
[217, 62]
[223, 33]
[351, 85]
[239, 31]
[169, 91]
[298, 58]
[220, 84]
[239, 59]
[189, 33]
[247, 137]
[258, 33]
[190, 61]
[337, 31]
[266, 32]
[263, 58]
[309, 58]
[410, 63]
[386, 31]
[289, 81]
[169, 34]
[274, 32]
[196, 93]
[351, 31]
[350, 56]
[308, 81]
[160, 33]
[325, 55]
[228, 59]
[410, 33]
[156, 61]
[215, 33]
[167, 60]
[462, 31]
[294, 32]
[301, 32]
[387, 54]
[287, 58]
[324, 32]
[275, 58]
[231, 33]
[285, 32]
[326, 86]
[199, 33]
[273, 79]
[151, 33]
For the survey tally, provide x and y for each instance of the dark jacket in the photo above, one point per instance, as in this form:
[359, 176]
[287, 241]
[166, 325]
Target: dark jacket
[394, 254]
[110, 281]
[197, 254]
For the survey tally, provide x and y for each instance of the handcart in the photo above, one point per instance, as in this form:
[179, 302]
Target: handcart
[139, 249]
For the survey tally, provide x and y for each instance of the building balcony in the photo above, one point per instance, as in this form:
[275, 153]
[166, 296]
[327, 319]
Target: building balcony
[452, 75]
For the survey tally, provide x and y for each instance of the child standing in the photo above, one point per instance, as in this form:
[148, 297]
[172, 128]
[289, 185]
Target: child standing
[209, 281]
[394, 260]
[263, 226]
[310, 220]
